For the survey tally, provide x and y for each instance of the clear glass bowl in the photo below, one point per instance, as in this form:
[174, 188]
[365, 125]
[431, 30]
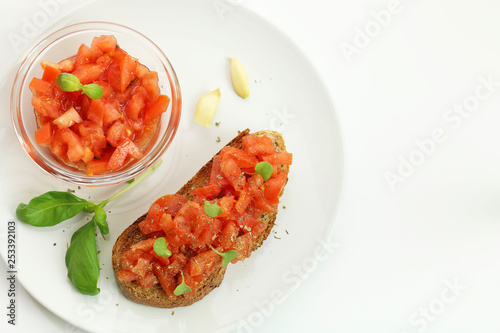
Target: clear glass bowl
[63, 44]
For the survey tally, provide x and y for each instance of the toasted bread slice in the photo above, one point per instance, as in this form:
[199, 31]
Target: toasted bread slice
[155, 296]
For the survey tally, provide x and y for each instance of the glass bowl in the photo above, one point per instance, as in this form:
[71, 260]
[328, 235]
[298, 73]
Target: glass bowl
[63, 44]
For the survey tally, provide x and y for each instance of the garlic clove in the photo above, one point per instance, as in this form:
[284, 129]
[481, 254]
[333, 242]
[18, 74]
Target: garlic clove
[239, 78]
[206, 107]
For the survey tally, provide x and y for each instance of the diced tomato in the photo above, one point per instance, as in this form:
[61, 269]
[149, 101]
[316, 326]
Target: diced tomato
[103, 61]
[127, 276]
[119, 115]
[39, 86]
[124, 149]
[68, 119]
[208, 191]
[115, 133]
[203, 263]
[150, 83]
[244, 200]
[144, 246]
[105, 43]
[216, 175]
[147, 281]
[107, 89]
[128, 66]
[171, 203]
[167, 281]
[67, 65]
[83, 56]
[278, 158]
[50, 71]
[166, 224]
[136, 105]
[242, 158]
[43, 135]
[72, 143]
[88, 73]
[151, 222]
[92, 136]
[227, 204]
[228, 235]
[257, 145]
[96, 167]
[157, 108]
[141, 71]
[273, 186]
[142, 266]
[232, 172]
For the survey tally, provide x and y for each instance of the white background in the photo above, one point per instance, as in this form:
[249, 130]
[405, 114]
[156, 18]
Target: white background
[423, 254]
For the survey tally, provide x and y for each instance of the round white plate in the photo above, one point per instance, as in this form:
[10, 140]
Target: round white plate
[286, 94]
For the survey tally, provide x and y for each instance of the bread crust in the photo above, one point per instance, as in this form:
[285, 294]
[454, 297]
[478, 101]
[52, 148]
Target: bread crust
[156, 296]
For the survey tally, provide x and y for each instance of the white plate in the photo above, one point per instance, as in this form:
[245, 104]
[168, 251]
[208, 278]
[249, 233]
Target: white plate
[286, 94]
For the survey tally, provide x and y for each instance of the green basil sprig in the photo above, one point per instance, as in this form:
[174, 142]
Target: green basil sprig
[50, 208]
[81, 260]
[54, 207]
[69, 82]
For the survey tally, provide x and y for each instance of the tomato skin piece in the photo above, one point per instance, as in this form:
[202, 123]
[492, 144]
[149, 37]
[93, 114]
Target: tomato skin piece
[157, 108]
[216, 175]
[44, 135]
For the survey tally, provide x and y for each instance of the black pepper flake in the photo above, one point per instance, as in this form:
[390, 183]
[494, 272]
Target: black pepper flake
[54, 244]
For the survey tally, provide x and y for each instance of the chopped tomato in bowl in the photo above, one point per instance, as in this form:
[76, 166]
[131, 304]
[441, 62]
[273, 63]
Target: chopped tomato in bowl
[96, 139]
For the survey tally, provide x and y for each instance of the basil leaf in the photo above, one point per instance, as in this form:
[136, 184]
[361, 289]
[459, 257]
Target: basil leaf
[50, 208]
[228, 256]
[265, 169]
[160, 247]
[93, 90]
[81, 260]
[100, 220]
[212, 210]
[68, 82]
[182, 288]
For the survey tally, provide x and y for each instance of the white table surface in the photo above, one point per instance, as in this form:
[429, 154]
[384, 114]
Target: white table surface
[417, 87]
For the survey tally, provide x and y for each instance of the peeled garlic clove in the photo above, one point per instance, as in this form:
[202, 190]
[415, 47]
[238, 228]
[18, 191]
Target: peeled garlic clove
[206, 107]
[239, 78]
